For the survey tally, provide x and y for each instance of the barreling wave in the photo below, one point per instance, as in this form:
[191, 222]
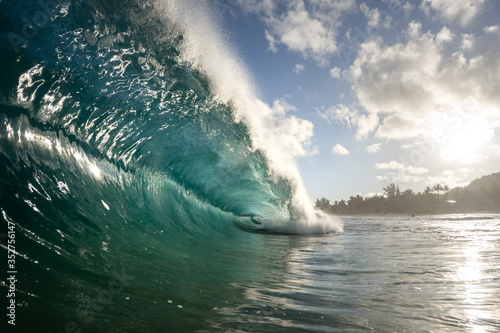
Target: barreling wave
[153, 87]
[134, 145]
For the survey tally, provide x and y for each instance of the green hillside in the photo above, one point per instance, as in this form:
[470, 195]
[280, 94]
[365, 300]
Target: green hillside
[481, 194]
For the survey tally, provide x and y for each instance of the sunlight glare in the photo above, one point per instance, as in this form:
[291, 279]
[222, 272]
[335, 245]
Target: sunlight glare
[466, 140]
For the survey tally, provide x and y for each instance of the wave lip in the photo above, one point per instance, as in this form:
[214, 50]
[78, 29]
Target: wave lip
[129, 142]
[182, 105]
[281, 137]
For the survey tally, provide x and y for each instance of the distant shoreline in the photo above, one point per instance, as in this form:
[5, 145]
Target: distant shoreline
[481, 196]
[416, 215]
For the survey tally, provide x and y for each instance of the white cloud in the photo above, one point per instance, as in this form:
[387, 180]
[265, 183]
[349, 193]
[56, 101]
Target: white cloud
[308, 27]
[340, 150]
[493, 29]
[335, 72]
[394, 165]
[298, 68]
[473, 159]
[374, 194]
[452, 178]
[467, 41]
[408, 7]
[410, 86]
[342, 114]
[281, 107]
[445, 35]
[414, 28]
[463, 11]
[280, 134]
[494, 150]
[374, 17]
[375, 148]
[272, 42]
[366, 124]
[305, 34]
[399, 172]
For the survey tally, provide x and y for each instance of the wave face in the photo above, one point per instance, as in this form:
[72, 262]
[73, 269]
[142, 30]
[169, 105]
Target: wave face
[133, 153]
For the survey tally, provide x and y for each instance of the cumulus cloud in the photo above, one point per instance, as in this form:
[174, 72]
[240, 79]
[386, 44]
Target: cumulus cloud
[374, 17]
[272, 42]
[281, 135]
[408, 7]
[445, 35]
[304, 33]
[298, 68]
[408, 87]
[341, 114]
[335, 72]
[494, 150]
[350, 117]
[309, 27]
[375, 148]
[339, 150]
[394, 165]
[281, 107]
[451, 178]
[374, 194]
[382, 178]
[396, 171]
[464, 11]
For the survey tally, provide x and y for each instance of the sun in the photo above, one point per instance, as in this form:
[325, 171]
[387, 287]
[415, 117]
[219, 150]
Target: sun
[463, 139]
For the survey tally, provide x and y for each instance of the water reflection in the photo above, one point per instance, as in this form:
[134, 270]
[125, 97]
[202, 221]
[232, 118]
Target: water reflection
[474, 279]
[38, 145]
[379, 275]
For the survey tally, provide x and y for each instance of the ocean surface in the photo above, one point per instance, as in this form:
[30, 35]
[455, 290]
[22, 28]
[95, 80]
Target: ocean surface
[144, 187]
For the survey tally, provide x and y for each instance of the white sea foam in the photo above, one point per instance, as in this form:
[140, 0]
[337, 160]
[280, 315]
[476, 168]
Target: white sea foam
[281, 136]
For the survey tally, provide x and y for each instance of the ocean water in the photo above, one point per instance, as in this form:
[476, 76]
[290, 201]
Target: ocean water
[144, 187]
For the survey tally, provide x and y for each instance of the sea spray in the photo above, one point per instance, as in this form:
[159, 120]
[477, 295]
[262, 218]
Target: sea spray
[132, 140]
[282, 137]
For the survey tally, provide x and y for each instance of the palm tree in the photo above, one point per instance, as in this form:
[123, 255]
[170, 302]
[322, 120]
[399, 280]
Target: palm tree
[438, 188]
[428, 190]
[391, 190]
[323, 203]
[409, 192]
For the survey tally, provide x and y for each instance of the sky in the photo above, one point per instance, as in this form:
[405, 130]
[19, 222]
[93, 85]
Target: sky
[397, 91]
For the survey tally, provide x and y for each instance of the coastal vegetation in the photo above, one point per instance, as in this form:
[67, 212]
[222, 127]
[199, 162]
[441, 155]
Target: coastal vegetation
[481, 195]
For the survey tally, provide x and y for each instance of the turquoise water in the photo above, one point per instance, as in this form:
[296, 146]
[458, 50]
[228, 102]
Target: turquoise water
[145, 188]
